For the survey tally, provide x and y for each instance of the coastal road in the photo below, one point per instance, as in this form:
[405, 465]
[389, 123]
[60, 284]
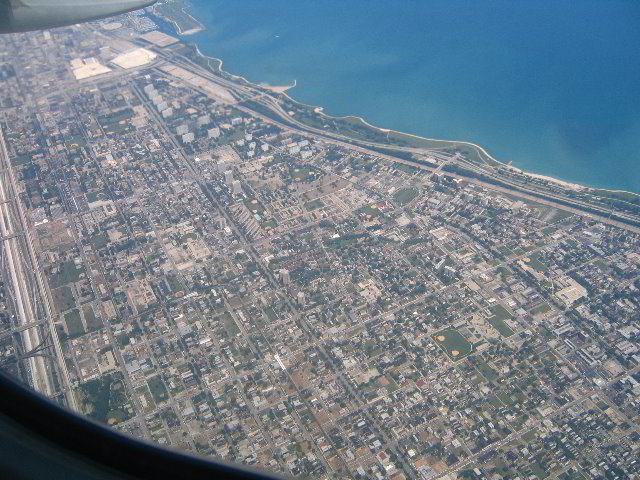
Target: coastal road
[536, 193]
[527, 191]
[532, 192]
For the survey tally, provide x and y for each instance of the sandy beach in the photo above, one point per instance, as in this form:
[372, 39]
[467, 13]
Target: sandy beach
[573, 186]
[278, 88]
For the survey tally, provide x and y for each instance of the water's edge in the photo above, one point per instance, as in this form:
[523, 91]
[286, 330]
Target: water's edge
[169, 26]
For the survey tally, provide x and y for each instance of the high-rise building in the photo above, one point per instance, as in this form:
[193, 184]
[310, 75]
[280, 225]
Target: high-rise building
[236, 187]
[284, 276]
[228, 177]
[301, 299]
[449, 272]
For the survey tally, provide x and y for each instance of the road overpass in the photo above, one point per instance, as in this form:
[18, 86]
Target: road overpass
[30, 296]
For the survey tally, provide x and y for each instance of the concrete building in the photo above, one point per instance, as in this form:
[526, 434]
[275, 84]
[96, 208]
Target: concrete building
[236, 187]
[449, 272]
[301, 298]
[228, 177]
[284, 276]
[182, 129]
[214, 132]
[188, 137]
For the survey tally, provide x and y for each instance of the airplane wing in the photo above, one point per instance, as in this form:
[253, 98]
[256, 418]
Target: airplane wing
[25, 15]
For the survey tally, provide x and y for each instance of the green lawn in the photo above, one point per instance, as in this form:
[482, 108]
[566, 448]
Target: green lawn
[254, 206]
[405, 168]
[494, 401]
[487, 372]
[73, 323]
[501, 326]
[542, 308]
[229, 324]
[371, 211]
[452, 342]
[174, 284]
[100, 240]
[537, 264]
[500, 314]
[346, 240]
[270, 224]
[538, 470]
[299, 173]
[68, 273]
[63, 299]
[314, 204]
[560, 215]
[157, 389]
[271, 314]
[105, 399]
[405, 195]
[21, 160]
[504, 272]
[93, 322]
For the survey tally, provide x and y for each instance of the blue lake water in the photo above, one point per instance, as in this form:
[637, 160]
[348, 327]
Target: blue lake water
[551, 85]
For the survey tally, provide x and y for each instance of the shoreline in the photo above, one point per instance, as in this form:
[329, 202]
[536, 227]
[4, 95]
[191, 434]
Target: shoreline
[192, 31]
[320, 110]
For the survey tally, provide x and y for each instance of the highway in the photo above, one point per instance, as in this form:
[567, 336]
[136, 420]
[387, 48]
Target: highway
[527, 190]
[532, 192]
[17, 257]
